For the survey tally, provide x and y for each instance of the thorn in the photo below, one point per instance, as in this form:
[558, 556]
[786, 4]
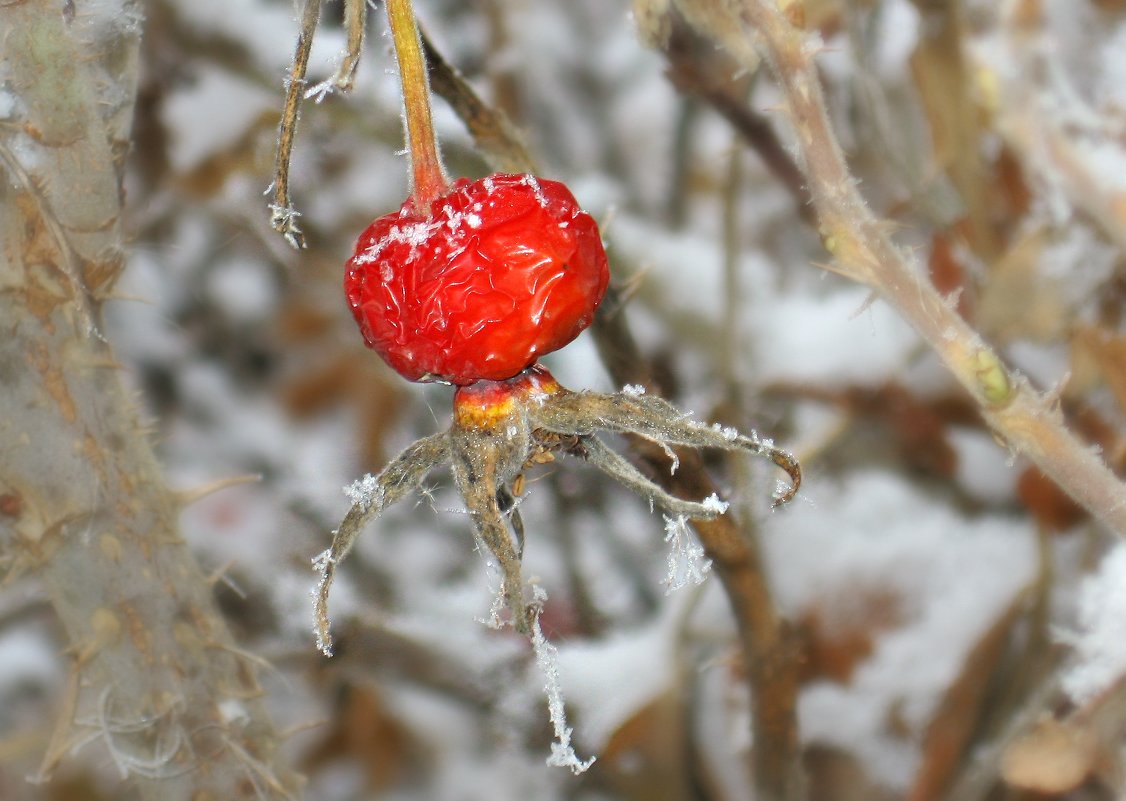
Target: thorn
[188, 497]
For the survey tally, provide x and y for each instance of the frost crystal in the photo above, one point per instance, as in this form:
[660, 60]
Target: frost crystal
[547, 658]
[365, 492]
[686, 562]
[633, 390]
[537, 190]
[713, 504]
[321, 564]
[729, 434]
[318, 92]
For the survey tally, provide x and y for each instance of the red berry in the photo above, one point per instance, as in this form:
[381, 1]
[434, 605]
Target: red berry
[492, 276]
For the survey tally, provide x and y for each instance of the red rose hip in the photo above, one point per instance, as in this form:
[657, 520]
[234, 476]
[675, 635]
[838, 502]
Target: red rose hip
[493, 275]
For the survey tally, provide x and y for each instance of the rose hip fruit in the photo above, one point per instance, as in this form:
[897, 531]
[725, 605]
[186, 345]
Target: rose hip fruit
[493, 275]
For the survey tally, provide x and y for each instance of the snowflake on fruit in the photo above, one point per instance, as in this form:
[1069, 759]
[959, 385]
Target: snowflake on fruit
[469, 283]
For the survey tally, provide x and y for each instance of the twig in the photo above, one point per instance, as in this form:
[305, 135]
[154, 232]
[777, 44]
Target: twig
[283, 217]
[691, 72]
[493, 133]
[864, 251]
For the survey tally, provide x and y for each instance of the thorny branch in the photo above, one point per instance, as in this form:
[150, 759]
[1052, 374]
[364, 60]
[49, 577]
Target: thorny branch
[864, 251]
[87, 507]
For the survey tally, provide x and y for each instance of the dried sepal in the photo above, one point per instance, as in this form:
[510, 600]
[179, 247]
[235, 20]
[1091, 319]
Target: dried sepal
[502, 427]
[485, 460]
[370, 496]
[613, 465]
[655, 419]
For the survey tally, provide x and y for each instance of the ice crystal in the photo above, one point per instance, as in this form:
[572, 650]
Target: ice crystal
[364, 492]
[687, 563]
[547, 658]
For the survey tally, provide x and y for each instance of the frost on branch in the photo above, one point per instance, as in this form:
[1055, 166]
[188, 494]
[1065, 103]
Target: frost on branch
[547, 658]
[370, 496]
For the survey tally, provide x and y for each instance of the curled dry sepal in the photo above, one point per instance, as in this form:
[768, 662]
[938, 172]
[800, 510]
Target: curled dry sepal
[500, 428]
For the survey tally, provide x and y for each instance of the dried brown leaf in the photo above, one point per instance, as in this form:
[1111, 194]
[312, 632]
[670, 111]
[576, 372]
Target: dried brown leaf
[1052, 508]
[953, 726]
[840, 633]
[645, 759]
[363, 729]
[1016, 302]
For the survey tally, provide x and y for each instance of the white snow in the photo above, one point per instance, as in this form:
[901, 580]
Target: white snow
[364, 492]
[897, 36]
[948, 578]
[713, 504]
[210, 114]
[985, 470]
[607, 681]
[244, 289]
[1099, 644]
[836, 339]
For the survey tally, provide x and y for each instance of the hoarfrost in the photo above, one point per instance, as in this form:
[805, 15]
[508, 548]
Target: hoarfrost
[321, 564]
[547, 658]
[319, 91]
[730, 434]
[673, 458]
[365, 492]
[713, 504]
[687, 563]
[537, 190]
[633, 390]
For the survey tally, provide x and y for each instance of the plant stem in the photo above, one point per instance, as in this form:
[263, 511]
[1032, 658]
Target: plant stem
[429, 179]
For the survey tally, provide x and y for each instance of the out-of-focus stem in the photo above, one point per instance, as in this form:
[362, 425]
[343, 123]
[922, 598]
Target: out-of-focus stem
[768, 646]
[429, 178]
[863, 250]
[157, 681]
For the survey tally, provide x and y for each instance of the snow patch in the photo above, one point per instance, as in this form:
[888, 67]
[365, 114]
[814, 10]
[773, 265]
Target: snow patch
[229, 104]
[945, 579]
[1100, 643]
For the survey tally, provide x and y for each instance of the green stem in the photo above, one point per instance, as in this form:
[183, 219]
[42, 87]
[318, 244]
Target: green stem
[430, 180]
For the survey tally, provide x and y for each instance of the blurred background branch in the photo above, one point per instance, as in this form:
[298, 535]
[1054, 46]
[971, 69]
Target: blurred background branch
[157, 684]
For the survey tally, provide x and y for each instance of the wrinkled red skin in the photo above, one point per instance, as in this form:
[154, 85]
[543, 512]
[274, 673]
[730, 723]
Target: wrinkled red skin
[499, 272]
